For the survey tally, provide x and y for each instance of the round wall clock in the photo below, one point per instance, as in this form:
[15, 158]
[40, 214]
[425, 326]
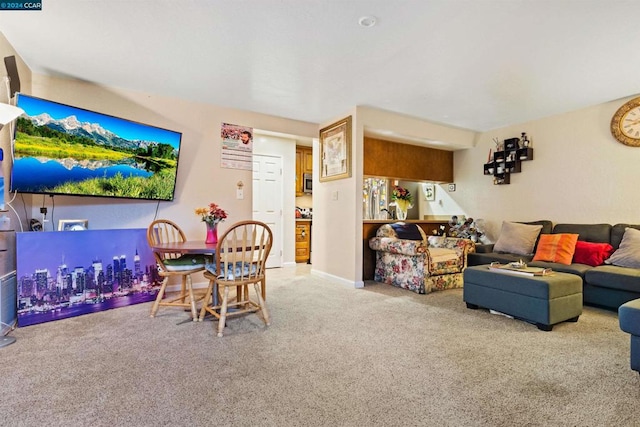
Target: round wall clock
[625, 123]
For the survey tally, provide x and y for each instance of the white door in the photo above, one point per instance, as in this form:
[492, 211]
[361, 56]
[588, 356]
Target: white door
[267, 201]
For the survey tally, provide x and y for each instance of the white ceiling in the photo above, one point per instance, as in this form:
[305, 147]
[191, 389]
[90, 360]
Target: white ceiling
[474, 64]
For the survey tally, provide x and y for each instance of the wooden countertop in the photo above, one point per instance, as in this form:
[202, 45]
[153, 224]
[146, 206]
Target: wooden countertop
[411, 221]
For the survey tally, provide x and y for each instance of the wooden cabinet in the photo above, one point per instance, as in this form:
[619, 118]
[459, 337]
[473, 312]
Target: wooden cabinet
[405, 161]
[307, 160]
[304, 164]
[303, 241]
[299, 173]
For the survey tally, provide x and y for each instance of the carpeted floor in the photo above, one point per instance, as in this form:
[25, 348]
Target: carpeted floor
[332, 356]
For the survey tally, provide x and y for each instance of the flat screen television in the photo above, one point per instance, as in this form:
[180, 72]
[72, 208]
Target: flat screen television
[65, 150]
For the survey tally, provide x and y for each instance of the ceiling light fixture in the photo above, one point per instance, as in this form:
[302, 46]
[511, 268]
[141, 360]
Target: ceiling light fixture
[367, 21]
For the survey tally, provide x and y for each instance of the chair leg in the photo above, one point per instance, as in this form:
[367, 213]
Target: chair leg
[194, 313]
[263, 305]
[183, 289]
[206, 301]
[223, 311]
[156, 303]
[245, 295]
[218, 295]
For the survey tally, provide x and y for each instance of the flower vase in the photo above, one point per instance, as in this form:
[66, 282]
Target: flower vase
[212, 233]
[402, 206]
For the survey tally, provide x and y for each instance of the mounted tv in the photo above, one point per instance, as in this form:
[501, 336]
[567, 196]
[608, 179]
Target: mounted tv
[65, 150]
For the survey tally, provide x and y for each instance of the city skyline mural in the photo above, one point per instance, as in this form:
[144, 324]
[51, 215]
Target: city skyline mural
[64, 274]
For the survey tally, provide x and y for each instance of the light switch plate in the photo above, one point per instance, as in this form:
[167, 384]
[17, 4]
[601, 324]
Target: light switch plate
[239, 194]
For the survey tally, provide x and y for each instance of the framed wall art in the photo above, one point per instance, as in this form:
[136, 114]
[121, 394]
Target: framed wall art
[429, 191]
[335, 150]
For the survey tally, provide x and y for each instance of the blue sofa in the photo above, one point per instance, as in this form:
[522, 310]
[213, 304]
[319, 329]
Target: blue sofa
[629, 318]
[605, 286]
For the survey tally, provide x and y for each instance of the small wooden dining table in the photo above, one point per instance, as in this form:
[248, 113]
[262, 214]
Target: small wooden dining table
[186, 247]
[198, 247]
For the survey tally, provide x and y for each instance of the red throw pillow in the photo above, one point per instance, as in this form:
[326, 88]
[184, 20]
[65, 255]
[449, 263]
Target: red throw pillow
[556, 248]
[592, 254]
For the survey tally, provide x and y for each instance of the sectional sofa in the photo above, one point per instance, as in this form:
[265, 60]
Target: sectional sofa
[604, 285]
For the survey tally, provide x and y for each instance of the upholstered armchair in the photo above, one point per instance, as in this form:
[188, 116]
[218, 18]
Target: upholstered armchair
[406, 258]
[446, 261]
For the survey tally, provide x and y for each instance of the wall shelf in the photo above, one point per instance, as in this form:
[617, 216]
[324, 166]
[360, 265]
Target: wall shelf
[507, 161]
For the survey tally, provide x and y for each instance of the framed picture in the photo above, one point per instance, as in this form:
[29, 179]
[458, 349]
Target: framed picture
[73, 224]
[429, 191]
[335, 150]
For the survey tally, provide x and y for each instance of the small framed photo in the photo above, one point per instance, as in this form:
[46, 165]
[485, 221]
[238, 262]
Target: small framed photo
[73, 224]
[511, 143]
[335, 150]
[429, 191]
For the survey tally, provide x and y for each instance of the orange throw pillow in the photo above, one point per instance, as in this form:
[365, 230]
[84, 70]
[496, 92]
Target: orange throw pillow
[556, 248]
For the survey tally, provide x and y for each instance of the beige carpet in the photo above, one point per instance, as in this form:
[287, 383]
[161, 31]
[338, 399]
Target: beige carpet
[333, 356]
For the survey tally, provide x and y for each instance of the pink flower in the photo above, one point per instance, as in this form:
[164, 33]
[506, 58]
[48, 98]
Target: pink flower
[213, 214]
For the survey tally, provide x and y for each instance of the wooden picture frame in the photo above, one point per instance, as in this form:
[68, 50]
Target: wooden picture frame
[335, 150]
[73, 224]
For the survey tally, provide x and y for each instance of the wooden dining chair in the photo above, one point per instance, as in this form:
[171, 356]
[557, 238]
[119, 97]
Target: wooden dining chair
[239, 261]
[174, 264]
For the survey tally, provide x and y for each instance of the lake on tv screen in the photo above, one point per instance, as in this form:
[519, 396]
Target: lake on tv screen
[31, 175]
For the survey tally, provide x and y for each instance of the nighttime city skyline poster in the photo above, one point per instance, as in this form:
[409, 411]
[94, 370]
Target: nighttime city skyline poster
[64, 274]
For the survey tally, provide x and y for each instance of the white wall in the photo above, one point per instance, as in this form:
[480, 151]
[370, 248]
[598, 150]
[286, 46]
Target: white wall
[337, 216]
[580, 173]
[444, 205]
[200, 180]
[7, 131]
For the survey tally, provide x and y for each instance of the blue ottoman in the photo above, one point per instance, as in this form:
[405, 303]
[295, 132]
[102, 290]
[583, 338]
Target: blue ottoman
[629, 318]
[542, 300]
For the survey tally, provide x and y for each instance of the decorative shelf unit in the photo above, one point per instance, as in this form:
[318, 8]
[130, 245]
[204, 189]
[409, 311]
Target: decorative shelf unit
[507, 161]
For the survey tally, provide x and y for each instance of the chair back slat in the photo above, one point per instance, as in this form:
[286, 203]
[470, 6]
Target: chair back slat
[164, 231]
[242, 251]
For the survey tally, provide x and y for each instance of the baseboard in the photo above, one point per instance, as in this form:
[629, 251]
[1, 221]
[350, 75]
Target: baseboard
[194, 285]
[341, 280]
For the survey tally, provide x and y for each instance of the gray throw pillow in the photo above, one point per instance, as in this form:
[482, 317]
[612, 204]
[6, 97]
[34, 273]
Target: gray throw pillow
[516, 238]
[628, 254]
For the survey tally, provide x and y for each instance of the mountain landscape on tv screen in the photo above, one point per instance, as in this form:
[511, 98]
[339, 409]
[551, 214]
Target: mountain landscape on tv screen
[75, 157]
[72, 126]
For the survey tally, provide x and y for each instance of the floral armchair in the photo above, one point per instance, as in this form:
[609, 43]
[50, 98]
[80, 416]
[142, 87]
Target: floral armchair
[406, 258]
